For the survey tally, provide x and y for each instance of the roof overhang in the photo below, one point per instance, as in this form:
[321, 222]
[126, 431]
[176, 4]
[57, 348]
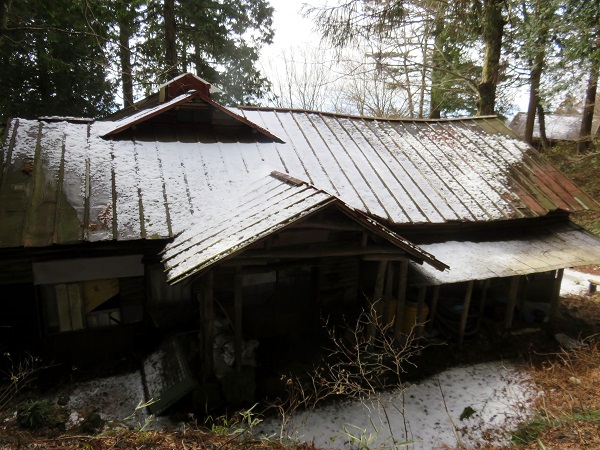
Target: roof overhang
[275, 203]
[542, 249]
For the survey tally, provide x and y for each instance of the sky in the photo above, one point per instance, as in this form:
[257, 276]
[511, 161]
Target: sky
[294, 30]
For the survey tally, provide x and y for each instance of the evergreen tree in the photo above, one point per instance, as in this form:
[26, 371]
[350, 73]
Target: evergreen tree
[52, 59]
[218, 40]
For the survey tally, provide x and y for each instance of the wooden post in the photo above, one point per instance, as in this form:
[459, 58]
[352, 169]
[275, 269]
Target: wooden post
[484, 289]
[434, 302]
[512, 301]
[385, 305]
[377, 294]
[237, 317]
[420, 303]
[402, 281]
[208, 317]
[555, 296]
[465, 312]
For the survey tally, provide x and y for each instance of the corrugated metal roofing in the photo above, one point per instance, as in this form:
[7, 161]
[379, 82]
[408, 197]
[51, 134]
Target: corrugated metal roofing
[548, 248]
[61, 182]
[266, 207]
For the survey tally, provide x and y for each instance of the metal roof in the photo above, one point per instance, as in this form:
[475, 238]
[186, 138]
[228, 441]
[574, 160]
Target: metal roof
[543, 249]
[269, 205]
[61, 182]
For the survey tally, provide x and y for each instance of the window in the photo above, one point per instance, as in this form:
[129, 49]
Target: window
[92, 304]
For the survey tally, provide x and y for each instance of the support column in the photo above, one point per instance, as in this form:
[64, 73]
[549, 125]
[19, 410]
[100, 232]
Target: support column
[434, 302]
[402, 282]
[237, 317]
[512, 301]
[555, 296]
[385, 307]
[377, 297]
[420, 319]
[207, 317]
[465, 312]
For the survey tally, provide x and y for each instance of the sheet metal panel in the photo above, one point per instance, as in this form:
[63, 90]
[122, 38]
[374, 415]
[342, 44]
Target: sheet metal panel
[62, 183]
[554, 247]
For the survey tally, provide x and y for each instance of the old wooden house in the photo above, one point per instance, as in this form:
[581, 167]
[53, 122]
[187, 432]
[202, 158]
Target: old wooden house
[180, 214]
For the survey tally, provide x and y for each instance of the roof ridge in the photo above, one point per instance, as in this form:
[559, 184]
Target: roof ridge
[355, 116]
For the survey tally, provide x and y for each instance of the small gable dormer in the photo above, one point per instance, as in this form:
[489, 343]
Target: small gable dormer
[183, 110]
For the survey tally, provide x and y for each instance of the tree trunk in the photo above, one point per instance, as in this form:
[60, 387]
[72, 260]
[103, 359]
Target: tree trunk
[534, 93]
[437, 61]
[585, 131]
[170, 39]
[493, 32]
[125, 31]
[542, 122]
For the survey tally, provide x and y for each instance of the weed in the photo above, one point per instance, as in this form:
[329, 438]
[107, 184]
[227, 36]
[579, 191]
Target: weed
[17, 375]
[35, 414]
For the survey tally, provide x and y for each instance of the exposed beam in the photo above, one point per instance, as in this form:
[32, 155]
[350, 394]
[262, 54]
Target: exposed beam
[320, 252]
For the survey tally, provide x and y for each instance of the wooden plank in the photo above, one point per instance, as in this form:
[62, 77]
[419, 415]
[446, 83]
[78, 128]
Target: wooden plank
[377, 295]
[512, 301]
[62, 305]
[465, 312]
[76, 306]
[420, 304]
[377, 251]
[434, 301]
[237, 317]
[400, 306]
[555, 296]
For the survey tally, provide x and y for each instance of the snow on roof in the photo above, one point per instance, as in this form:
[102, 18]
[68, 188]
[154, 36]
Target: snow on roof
[548, 248]
[61, 182]
[263, 208]
[213, 89]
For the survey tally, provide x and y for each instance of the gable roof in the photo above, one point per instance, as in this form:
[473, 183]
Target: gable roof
[187, 97]
[62, 182]
[272, 204]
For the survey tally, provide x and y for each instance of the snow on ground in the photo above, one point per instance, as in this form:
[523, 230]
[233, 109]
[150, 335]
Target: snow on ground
[575, 282]
[428, 413]
[114, 398]
[497, 393]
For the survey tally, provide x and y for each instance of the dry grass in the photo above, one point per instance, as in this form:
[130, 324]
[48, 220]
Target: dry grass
[127, 439]
[568, 411]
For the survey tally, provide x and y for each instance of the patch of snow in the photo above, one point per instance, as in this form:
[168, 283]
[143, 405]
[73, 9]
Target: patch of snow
[426, 414]
[574, 282]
